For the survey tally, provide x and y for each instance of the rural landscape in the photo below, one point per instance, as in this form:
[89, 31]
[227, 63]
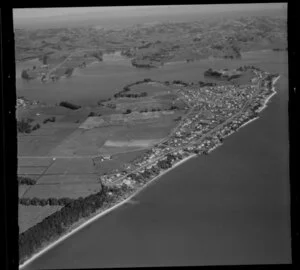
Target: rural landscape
[77, 160]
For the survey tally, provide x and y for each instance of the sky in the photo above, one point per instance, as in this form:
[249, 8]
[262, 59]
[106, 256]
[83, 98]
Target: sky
[30, 13]
[122, 16]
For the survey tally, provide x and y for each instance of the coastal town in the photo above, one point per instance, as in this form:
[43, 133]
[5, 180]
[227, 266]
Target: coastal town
[214, 113]
[123, 121]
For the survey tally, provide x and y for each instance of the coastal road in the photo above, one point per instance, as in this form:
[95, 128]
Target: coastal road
[192, 143]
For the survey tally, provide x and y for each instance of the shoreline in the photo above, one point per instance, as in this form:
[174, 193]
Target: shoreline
[102, 213]
[269, 97]
[118, 204]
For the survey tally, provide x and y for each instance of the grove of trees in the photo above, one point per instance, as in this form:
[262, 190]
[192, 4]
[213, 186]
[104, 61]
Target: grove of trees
[50, 119]
[43, 202]
[69, 105]
[56, 224]
[26, 181]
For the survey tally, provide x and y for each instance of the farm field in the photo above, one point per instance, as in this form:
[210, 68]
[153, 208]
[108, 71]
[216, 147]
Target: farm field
[71, 166]
[68, 190]
[113, 147]
[145, 104]
[60, 179]
[32, 162]
[31, 215]
[63, 156]
[150, 88]
[41, 141]
[31, 170]
[22, 190]
[117, 161]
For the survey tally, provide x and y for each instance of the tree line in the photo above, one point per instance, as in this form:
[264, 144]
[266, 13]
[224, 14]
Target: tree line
[130, 95]
[26, 181]
[50, 119]
[69, 105]
[24, 125]
[43, 202]
[56, 224]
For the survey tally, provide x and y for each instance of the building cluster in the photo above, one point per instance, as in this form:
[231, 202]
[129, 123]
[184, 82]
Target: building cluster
[214, 113]
[23, 103]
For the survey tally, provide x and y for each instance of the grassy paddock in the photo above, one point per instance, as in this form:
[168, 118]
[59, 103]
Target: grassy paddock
[71, 190]
[71, 166]
[22, 190]
[31, 170]
[31, 215]
[82, 142]
[150, 89]
[68, 179]
[32, 161]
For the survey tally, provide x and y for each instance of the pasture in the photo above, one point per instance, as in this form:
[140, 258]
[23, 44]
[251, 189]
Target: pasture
[71, 166]
[42, 141]
[68, 190]
[145, 104]
[117, 161]
[31, 170]
[22, 190]
[31, 215]
[82, 142]
[151, 89]
[67, 179]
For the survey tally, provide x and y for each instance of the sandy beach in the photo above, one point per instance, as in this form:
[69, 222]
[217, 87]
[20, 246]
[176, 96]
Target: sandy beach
[101, 214]
[268, 99]
[104, 212]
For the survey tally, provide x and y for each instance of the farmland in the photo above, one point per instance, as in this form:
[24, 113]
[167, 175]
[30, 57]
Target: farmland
[62, 155]
[68, 190]
[30, 215]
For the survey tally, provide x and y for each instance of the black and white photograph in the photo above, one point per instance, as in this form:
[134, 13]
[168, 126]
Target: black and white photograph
[152, 135]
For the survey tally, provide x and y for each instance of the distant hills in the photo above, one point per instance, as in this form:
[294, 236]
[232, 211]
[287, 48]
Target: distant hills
[157, 43]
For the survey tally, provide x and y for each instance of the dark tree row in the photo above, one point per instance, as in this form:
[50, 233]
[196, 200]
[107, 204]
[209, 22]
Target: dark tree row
[69, 71]
[50, 119]
[202, 84]
[180, 82]
[128, 95]
[24, 125]
[56, 224]
[69, 105]
[25, 75]
[43, 202]
[26, 181]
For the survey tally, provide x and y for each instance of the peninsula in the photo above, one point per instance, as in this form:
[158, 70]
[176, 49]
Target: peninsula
[199, 117]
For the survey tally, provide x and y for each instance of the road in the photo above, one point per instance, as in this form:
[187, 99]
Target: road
[118, 180]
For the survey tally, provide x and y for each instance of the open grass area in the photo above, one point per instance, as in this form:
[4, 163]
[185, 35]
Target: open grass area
[87, 142]
[131, 143]
[117, 161]
[70, 190]
[42, 141]
[106, 166]
[145, 104]
[71, 166]
[82, 142]
[68, 179]
[150, 89]
[128, 156]
[31, 215]
[31, 161]
[120, 146]
[167, 96]
[22, 190]
[31, 170]
[120, 119]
